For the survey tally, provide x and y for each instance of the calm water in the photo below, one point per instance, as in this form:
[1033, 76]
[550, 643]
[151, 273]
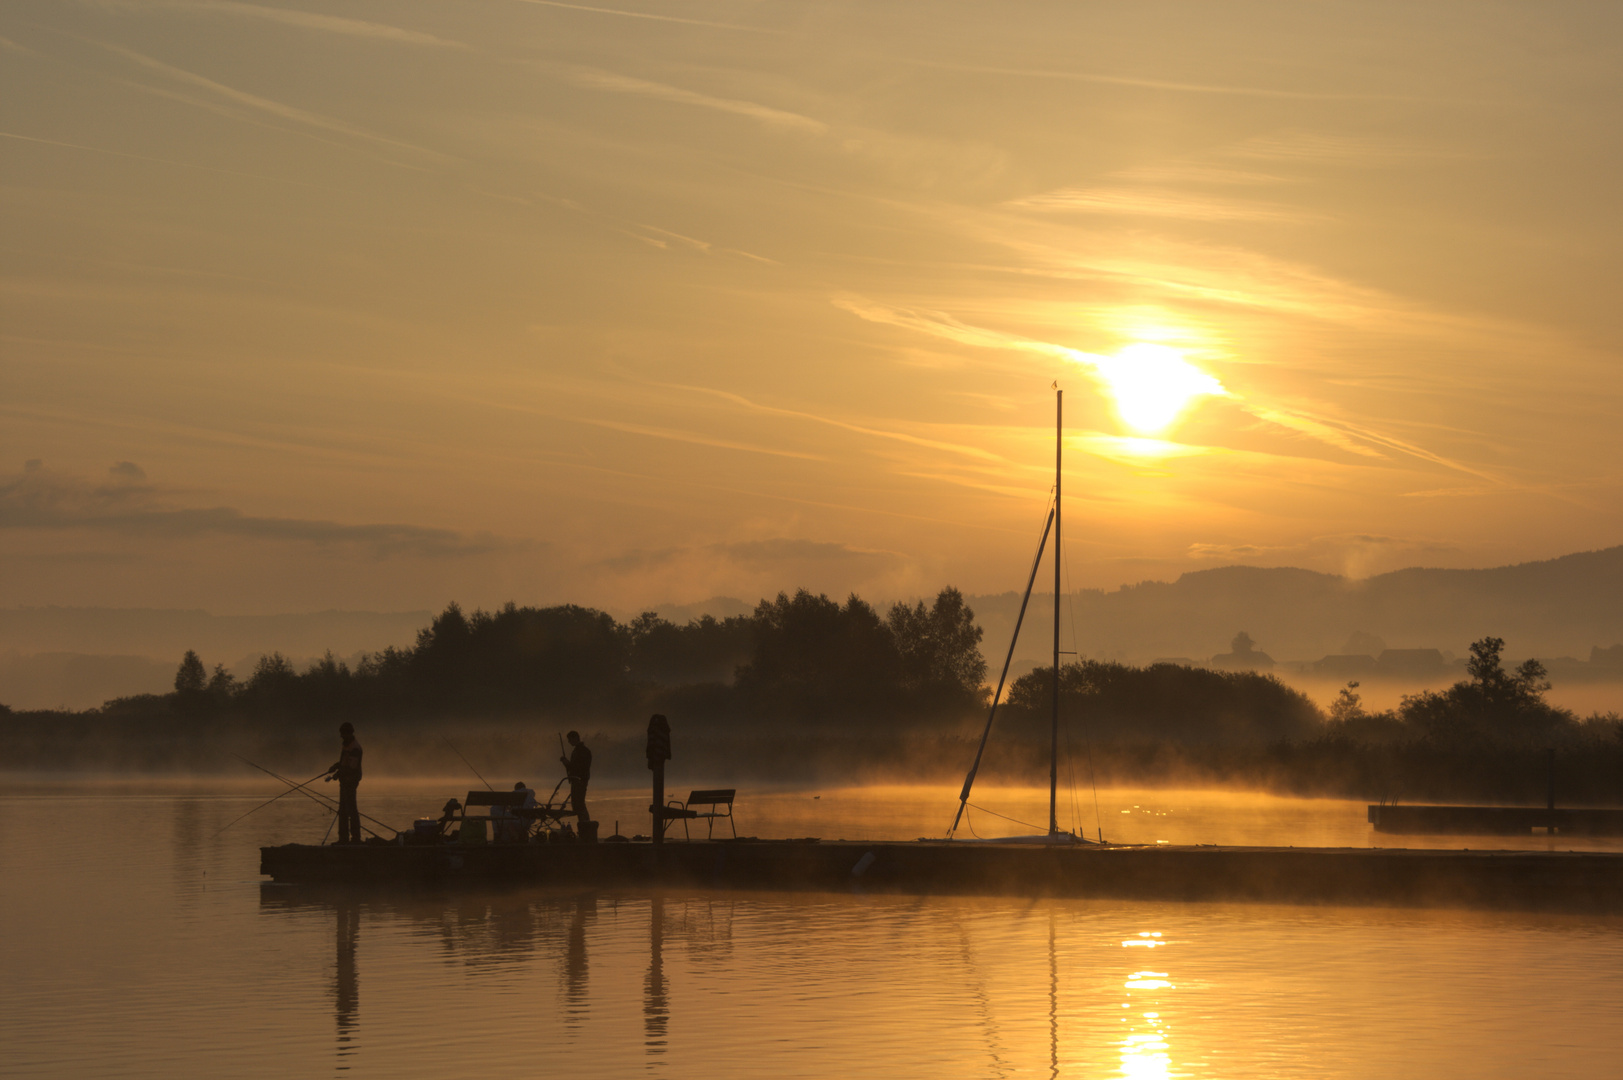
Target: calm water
[137, 942]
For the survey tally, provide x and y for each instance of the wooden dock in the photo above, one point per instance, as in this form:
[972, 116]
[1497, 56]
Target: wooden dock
[1495, 820]
[1569, 881]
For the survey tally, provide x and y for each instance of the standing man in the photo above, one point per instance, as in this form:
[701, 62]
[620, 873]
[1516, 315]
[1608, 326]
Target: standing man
[347, 771]
[579, 767]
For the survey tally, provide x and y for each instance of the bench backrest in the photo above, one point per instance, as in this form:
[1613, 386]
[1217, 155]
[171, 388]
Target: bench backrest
[496, 798]
[713, 796]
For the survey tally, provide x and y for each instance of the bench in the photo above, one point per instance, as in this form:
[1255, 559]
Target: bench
[509, 818]
[719, 801]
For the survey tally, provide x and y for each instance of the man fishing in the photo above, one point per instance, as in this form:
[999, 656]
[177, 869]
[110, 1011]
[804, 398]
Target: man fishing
[347, 771]
[579, 767]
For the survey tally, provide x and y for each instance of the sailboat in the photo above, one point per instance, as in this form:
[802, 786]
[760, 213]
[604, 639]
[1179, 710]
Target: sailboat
[1054, 835]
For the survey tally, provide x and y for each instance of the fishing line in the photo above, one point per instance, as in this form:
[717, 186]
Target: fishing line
[267, 802]
[321, 800]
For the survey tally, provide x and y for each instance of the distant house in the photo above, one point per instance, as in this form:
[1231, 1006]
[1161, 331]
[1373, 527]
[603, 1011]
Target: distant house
[1346, 666]
[1244, 657]
[1410, 662]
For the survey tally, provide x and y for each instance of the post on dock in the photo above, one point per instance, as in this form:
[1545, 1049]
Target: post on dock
[659, 752]
[1550, 766]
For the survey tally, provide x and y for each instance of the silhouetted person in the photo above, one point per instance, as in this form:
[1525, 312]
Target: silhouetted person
[347, 771]
[579, 767]
[448, 815]
[515, 827]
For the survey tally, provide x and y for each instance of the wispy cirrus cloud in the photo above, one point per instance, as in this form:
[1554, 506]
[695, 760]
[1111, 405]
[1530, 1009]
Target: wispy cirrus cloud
[1137, 202]
[624, 14]
[124, 504]
[614, 83]
[773, 554]
[698, 439]
[222, 94]
[1148, 83]
[304, 20]
[1355, 439]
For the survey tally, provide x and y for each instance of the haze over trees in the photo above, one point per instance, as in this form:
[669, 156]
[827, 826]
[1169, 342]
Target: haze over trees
[805, 685]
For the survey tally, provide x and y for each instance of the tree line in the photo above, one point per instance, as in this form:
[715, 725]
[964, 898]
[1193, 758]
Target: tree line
[801, 658]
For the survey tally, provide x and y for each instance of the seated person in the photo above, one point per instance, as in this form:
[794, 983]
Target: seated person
[448, 815]
[509, 826]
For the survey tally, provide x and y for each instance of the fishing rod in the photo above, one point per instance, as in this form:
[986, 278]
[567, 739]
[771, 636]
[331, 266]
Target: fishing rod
[321, 800]
[267, 802]
[468, 763]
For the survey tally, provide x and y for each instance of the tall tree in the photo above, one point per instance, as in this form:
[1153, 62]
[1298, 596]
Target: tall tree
[191, 677]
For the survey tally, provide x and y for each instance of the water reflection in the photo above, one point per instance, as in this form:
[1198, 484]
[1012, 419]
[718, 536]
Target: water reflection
[512, 930]
[346, 982]
[1145, 1052]
[656, 1010]
[1053, 1000]
[575, 963]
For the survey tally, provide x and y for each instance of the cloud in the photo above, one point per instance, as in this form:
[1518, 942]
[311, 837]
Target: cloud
[774, 554]
[1141, 83]
[647, 15]
[1339, 434]
[252, 101]
[763, 553]
[1197, 173]
[1169, 204]
[844, 425]
[126, 506]
[1229, 551]
[596, 79]
[698, 439]
[331, 24]
[1309, 146]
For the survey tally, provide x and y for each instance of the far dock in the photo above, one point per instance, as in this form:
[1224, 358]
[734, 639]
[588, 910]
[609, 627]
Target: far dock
[1495, 820]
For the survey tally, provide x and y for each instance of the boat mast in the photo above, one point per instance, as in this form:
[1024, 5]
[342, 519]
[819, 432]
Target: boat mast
[1053, 750]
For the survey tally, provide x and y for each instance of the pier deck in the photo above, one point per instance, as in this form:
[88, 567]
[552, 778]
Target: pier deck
[1577, 881]
[1495, 820]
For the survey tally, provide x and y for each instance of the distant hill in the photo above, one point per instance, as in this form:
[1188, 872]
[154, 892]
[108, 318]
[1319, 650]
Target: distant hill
[79, 657]
[1558, 607]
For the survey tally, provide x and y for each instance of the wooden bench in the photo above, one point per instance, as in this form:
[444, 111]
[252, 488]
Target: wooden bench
[719, 801]
[504, 817]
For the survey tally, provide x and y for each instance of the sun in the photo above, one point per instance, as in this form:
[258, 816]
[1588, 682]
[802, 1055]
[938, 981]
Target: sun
[1153, 384]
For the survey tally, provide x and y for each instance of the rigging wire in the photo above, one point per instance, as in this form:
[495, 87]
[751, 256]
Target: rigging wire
[1006, 817]
[1070, 602]
[1014, 638]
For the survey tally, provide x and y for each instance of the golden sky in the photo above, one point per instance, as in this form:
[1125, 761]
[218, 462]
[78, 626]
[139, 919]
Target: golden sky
[377, 305]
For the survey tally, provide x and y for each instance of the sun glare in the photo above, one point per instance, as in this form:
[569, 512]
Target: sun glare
[1153, 384]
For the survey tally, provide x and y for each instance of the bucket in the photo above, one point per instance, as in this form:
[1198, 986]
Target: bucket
[473, 830]
[588, 832]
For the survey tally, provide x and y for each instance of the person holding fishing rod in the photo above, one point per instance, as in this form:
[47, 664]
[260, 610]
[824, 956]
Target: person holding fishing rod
[347, 771]
[578, 766]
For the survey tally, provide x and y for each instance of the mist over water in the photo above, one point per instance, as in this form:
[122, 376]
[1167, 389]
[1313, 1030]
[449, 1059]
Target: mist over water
[141, 943]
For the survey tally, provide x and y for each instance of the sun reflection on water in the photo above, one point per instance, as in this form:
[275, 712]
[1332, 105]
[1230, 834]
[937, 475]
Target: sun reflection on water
[1145, 1052]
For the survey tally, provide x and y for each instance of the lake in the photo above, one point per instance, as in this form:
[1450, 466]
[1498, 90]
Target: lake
[139, 941]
